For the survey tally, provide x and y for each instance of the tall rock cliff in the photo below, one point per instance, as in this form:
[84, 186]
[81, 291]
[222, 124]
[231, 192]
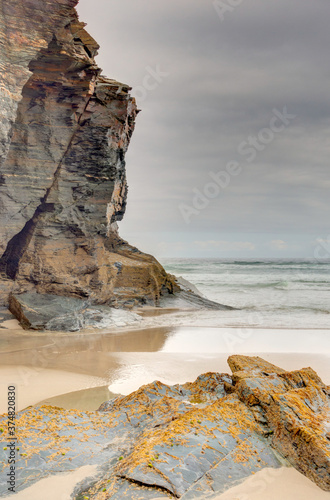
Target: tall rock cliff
[64, 132]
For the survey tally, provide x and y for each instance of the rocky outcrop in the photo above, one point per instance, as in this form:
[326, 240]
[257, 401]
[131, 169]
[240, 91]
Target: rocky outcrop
[37, 311]
[186, 441]
[295, 408]
[65, 129]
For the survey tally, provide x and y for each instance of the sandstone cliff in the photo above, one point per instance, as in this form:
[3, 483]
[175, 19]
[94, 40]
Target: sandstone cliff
[65, 129]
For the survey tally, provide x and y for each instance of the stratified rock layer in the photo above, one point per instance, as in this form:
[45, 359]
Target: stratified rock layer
[186, 441]
[64, 133]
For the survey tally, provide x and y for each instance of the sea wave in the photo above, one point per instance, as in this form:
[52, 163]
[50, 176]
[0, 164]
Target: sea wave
[286, 292]
[315, 309]
[281, 263]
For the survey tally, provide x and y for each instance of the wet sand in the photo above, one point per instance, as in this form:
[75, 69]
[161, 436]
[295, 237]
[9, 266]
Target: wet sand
[34, 384]
[44, 365]
[83, 400]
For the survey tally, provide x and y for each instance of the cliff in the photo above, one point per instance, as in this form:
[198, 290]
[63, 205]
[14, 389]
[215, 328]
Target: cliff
[65, 129]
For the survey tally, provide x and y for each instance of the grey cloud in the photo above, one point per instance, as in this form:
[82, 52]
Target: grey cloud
[224, 79]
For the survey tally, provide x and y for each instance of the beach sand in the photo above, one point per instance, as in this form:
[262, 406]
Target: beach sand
[59, 487]
[35, 384]
[44, 365]
[275, 484]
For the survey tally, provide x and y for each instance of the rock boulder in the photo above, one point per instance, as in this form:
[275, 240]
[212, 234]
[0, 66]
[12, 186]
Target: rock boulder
[187, 441]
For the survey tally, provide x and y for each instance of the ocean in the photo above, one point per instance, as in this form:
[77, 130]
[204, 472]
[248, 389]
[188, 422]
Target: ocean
[281, 293]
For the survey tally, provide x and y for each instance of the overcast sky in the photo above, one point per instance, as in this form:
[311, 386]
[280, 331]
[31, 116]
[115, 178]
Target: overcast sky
[230, 155]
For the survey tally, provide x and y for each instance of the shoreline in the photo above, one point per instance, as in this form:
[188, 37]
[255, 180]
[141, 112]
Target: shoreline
[145, 313]
[126, 358]
[45, 365]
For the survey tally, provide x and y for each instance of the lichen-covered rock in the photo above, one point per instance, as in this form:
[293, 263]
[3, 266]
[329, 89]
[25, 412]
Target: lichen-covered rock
[186, 441]
[294, 407]
[159, 439]
[64, 132]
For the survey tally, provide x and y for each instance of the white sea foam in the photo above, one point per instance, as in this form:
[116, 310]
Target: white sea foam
[118, 318]
[269, 293]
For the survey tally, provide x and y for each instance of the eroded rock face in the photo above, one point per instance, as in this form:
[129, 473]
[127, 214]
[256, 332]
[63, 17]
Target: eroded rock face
[187, 441]
[64, 133]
